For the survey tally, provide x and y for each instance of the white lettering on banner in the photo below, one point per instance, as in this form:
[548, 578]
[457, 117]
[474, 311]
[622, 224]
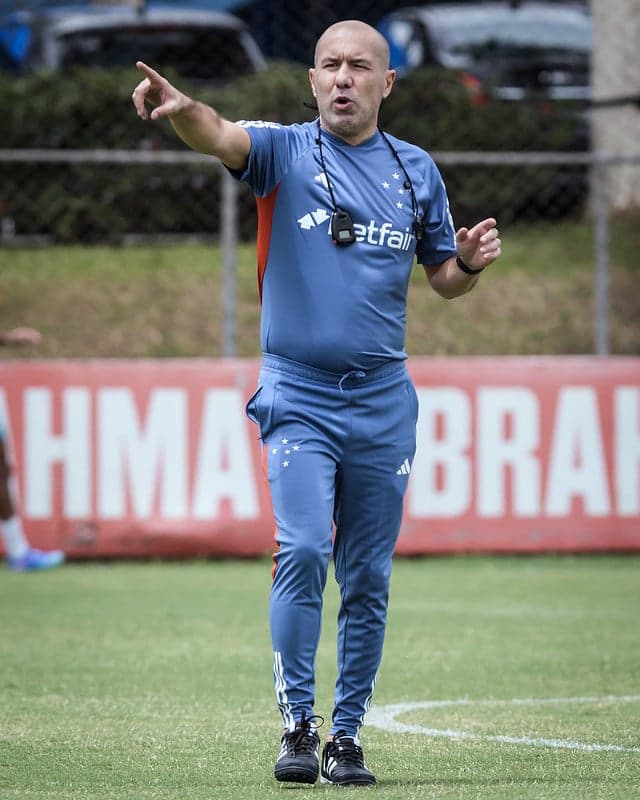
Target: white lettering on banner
[445, 456]
[146, 458]
[224, 468]
[71, 449]
[6, 431]
[4, 416]
[627, 450]
[507, 454]
[586, 463]
[577, 466]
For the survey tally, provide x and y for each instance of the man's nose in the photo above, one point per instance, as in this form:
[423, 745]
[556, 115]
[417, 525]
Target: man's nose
[343, 76]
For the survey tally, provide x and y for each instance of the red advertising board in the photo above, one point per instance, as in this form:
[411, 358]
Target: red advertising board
[153, 458]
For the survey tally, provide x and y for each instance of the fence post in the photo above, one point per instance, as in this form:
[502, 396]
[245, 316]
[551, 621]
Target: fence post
[601, 261]
[229, 241]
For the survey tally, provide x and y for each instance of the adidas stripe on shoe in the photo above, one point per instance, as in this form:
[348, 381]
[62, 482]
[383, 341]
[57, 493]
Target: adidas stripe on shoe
[298, 759]
[343, 763]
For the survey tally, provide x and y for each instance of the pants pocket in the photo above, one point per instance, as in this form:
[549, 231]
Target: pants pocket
[413, 399]
[260, 407]
[251, 407]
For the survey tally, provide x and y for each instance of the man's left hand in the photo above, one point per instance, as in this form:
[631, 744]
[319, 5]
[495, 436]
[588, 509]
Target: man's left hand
[479, 246]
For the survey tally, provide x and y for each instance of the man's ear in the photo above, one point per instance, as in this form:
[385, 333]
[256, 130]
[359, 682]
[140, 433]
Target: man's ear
[311, 79]
[390, 79]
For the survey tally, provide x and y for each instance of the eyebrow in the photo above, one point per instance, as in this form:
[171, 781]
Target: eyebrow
[356, 59]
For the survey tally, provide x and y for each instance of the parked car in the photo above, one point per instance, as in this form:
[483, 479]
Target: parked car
[511, 50]
[517, 73]
[199, 45]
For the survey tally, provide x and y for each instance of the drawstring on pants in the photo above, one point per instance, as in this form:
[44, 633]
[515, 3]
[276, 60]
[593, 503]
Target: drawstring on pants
[354, 373]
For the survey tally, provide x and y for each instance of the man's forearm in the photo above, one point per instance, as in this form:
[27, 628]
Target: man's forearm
[198, 125]
[204, 130]
[449, 281]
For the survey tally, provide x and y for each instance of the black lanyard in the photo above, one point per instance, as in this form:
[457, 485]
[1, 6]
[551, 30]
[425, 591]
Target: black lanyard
[342, 229]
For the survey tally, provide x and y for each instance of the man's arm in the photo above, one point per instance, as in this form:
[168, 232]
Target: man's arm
[477, 248]
[198, 125]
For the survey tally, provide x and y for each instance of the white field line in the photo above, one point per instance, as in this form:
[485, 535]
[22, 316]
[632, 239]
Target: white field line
[384, 717]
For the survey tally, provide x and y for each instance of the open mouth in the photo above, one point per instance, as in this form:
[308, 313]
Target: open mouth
[343, 103]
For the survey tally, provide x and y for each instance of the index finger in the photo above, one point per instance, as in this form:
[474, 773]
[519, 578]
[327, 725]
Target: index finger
[487, 224]
[481, 228]
[148, 71]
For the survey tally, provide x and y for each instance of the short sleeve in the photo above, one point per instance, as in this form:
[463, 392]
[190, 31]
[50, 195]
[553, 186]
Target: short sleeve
[273, 148]
[439, 239]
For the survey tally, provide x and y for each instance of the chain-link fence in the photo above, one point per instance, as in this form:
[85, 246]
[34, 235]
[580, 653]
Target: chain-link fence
[516, 109]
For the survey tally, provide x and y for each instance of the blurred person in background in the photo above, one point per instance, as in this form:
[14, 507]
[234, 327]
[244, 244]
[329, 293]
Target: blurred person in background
[19, 555]
[343, 208]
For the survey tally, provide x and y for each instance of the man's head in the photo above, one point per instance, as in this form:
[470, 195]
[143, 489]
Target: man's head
[350, 78]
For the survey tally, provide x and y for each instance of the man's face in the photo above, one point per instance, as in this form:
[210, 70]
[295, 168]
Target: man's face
[350, 79]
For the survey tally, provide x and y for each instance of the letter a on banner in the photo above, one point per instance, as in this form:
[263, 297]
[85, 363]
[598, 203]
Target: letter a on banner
[224, 467]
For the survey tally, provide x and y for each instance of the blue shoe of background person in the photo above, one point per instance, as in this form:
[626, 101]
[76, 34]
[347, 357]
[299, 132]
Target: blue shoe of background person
[36, 560]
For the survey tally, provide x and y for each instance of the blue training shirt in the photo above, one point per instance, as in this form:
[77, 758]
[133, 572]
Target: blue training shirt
[339, 308]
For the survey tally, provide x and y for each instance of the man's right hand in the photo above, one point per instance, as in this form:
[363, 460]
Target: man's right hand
[198, 125]
[157, 91]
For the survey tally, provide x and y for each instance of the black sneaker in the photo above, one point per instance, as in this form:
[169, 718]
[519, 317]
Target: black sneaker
[298, 757]
[343, 763]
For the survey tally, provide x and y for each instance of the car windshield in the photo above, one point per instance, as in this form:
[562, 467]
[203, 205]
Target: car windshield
[514, 32]
[195, 52]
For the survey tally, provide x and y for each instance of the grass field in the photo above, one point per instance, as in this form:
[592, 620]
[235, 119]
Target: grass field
[161, 300]
[153, 680]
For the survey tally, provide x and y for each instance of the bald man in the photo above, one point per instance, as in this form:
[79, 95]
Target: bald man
[343, 210]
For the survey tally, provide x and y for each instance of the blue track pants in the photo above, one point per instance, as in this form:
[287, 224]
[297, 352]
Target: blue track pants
[338, 450]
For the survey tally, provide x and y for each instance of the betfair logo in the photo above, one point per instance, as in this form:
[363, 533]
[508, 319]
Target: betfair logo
[380, 235]
[313, 219]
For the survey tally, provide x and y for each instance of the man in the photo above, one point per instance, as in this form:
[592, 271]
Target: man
[342, 208]
[20, 556]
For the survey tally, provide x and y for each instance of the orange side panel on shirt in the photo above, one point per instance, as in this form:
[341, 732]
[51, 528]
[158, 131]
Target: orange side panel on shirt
[265, 219]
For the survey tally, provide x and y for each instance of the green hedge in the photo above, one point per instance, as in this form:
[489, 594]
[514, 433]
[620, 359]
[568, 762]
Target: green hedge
[93, 109]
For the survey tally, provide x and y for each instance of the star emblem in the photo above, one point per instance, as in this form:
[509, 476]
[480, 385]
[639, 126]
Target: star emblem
[398, 204]
[385, 184]
[396, 176]
[285, 452]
